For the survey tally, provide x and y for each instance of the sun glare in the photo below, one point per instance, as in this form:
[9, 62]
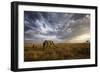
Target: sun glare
[80, 39]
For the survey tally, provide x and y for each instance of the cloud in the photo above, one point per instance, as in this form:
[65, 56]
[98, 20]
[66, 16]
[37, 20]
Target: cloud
[40, 26]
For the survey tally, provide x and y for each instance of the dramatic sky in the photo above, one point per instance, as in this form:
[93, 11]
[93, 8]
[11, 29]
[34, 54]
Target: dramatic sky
[59, 27]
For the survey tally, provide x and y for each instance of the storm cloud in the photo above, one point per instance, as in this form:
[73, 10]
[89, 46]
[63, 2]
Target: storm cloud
[59, 27]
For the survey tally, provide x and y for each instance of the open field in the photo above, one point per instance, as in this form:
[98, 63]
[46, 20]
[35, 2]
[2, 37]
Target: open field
[58, 51]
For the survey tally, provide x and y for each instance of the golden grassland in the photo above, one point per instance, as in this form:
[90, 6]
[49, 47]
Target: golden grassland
[62, 51]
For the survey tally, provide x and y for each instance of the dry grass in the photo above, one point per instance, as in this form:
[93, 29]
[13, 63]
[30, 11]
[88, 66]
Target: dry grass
[36, 52]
